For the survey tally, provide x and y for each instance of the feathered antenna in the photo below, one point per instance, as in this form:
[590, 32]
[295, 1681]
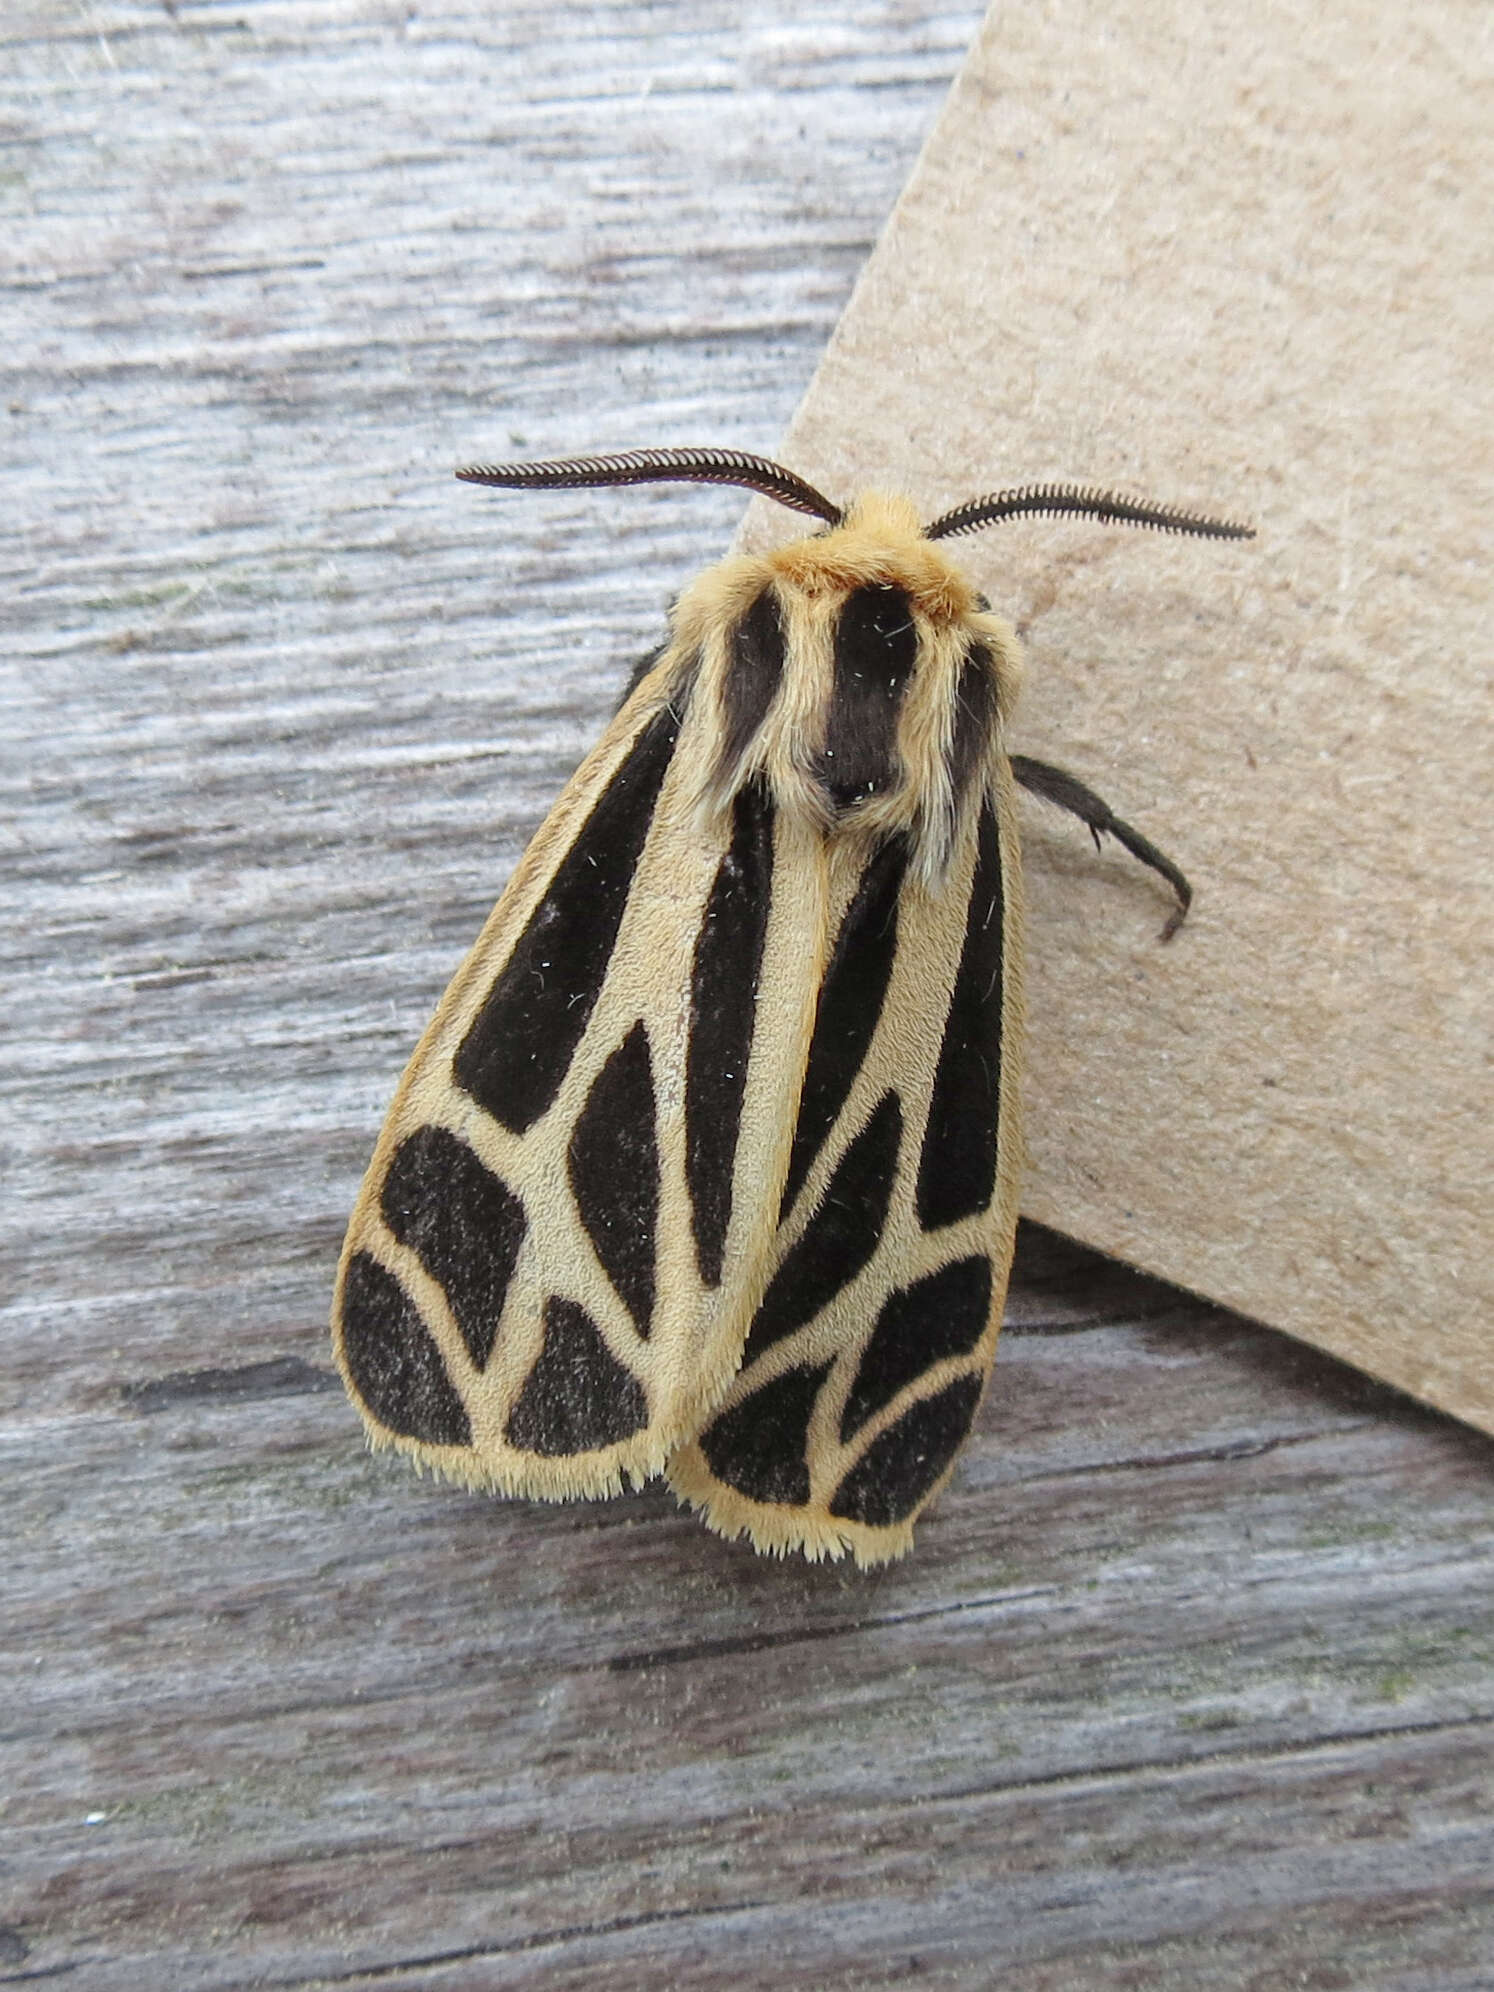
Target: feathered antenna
[1083, 502]
[682, 466]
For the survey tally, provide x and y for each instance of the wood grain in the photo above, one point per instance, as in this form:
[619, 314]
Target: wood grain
[1188, 1683]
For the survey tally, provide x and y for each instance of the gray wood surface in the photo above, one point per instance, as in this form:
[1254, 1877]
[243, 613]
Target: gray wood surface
[1189, 1681]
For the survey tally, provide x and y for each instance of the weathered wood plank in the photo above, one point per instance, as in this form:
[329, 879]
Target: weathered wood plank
[1188, 1684]
[1218, 1706]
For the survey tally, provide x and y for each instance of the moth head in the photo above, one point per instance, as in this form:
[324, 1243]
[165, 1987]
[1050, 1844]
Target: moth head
[856, 671]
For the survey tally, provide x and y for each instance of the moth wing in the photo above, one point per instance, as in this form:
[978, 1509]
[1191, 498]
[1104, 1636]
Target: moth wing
[582, 1114]
[867, 1358]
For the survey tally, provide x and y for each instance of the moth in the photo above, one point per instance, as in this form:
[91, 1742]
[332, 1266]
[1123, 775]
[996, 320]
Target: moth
[708, 1162]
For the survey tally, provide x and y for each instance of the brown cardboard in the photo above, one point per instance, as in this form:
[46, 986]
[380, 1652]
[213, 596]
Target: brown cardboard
[1241, 262]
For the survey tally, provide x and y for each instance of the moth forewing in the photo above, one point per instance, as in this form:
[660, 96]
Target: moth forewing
[596, 1393]
[618, 1317]
[388, 1383]
[843, 1425]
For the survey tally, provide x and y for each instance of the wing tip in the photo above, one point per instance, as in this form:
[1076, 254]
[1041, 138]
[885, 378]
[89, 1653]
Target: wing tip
[781, 1531]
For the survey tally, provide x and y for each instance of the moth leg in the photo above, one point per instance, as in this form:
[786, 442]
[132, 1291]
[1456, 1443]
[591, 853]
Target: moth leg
[1057, 786]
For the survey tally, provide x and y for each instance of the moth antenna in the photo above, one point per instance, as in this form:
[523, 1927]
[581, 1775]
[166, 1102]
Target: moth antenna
[678, 466]
[1083, 502]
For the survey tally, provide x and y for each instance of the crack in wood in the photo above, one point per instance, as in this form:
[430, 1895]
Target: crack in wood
[279, 1376]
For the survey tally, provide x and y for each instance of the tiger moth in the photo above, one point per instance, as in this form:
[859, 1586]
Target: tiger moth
[708, 1162]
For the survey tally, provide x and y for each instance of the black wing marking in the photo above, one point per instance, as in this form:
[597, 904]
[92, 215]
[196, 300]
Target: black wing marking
[614, 1172]
[957, 1163]
[725, 972]
[521, 1043]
